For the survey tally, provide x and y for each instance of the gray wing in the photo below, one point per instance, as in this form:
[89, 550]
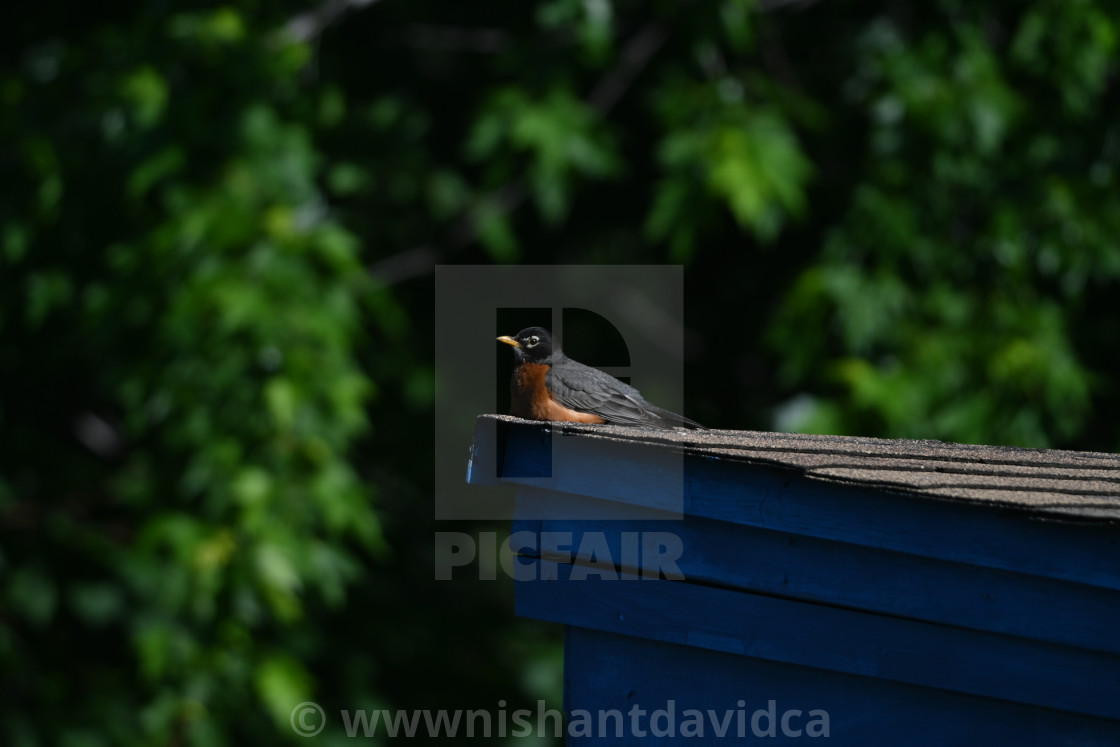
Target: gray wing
[588, 389]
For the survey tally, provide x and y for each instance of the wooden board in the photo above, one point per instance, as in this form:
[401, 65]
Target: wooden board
[629, 476]
[842, 574]
[833, 639]
[605, 672]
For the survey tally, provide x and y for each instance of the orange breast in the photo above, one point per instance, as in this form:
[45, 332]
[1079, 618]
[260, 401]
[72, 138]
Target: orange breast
[530, 398]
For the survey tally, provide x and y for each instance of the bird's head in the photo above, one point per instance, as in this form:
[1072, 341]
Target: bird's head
[530, 345]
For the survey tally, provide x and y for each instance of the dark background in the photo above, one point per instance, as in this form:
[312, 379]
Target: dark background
[218, 229]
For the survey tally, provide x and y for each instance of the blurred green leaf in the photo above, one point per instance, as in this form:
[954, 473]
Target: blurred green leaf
[146, 91]
[562, 138]
[282, 684]
[746, 158]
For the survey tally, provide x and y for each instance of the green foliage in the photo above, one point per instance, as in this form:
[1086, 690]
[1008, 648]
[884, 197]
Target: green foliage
[590, 20]
[952, 287]
[558, 135]
[183, 332]
[720, 147]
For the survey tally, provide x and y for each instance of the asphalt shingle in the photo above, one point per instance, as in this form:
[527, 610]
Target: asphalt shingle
[1070, 485]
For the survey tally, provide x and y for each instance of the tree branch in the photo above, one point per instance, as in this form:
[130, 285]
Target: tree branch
[309, 25]
[637, 54]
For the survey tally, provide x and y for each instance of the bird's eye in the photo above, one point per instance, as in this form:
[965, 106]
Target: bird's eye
[534, 340]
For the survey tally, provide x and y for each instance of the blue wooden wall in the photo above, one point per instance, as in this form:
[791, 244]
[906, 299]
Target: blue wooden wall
[907, 621]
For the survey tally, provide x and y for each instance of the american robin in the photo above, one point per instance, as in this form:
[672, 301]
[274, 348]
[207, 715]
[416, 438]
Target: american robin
[548, 385]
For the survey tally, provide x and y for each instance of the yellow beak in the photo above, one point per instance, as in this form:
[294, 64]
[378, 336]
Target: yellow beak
[509, 341]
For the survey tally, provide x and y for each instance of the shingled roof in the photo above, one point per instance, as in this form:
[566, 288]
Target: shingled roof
[1049, 483]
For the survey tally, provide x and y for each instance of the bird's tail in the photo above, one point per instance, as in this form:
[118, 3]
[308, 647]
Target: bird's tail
[673, 420]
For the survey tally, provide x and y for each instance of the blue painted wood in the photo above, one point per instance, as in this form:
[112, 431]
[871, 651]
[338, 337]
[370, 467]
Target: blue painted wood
[605, 672]
[484, 463]
[628, 475]
[525, 454]
[846, 575]
[918, 621]
[835, 639]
